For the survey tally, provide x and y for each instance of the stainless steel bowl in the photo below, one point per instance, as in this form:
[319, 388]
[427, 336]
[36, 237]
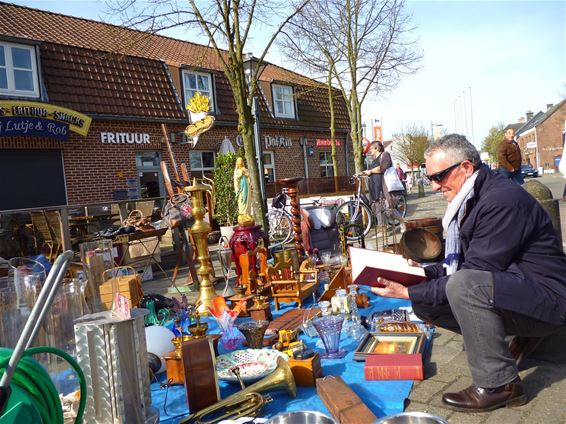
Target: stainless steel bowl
[302, 417]
[411, 418]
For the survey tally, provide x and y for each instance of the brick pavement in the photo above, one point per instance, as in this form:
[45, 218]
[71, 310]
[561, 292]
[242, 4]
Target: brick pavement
[543, 372]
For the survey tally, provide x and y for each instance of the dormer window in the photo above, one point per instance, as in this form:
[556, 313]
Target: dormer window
[18, 70]
[198, 81]
[283, 103]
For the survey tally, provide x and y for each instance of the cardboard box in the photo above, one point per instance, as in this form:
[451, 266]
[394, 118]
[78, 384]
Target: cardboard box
[139, 250]
[145, 273]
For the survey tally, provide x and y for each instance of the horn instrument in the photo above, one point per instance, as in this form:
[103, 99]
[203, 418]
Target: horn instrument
[249, 401]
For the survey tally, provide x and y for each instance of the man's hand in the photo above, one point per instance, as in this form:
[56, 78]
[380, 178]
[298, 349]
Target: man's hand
[390, 289]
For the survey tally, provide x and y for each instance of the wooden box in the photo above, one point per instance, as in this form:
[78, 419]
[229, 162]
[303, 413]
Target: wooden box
[306, 371]
[174, 367]
[129, 286]
[344, 405]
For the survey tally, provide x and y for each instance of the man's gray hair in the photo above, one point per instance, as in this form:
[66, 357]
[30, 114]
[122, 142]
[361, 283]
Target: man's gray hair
[456, 148]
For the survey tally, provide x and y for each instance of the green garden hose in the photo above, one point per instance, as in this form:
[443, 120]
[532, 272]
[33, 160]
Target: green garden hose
[34, 379]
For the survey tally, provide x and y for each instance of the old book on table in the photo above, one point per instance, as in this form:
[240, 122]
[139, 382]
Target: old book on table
[394, 367]
[367, 265]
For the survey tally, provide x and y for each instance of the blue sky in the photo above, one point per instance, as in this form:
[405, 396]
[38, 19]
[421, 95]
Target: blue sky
[509, 55]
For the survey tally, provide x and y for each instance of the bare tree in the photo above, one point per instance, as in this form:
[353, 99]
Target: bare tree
[227, 25]
[309, 47]
[410, 145]
[367, 45]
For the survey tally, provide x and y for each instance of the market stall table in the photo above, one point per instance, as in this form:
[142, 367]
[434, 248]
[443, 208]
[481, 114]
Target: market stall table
[382, 397]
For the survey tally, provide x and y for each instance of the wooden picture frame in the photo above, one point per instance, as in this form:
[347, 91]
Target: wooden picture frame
[389, 344]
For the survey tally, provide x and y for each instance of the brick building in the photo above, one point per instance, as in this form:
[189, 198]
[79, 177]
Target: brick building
[130, 84]
[541, 138]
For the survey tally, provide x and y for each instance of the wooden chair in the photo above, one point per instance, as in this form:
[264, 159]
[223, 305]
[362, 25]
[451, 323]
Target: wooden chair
[47, 229]
[286, 286]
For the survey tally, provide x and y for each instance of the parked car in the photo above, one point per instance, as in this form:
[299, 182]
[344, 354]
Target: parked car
[528, 171]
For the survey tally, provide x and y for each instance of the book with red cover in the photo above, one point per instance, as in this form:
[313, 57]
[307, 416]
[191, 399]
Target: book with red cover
[367, 265]
[394, 367]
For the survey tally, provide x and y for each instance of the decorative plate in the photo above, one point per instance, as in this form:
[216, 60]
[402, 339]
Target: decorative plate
[254, 364]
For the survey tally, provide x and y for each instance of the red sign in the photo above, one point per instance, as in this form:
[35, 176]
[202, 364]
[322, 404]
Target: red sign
[325, 142]
[377, 133]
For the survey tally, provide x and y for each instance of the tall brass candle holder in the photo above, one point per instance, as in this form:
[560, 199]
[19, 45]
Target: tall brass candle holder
[200, 231]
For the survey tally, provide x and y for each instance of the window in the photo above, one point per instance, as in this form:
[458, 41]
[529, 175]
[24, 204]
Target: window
[326, 168]
[268, 167]
[198, 81]
[18, 70]
[202, 162]
[283, 103]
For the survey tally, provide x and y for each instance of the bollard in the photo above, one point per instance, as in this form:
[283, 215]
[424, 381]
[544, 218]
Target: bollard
[420, 186]
[544, 196]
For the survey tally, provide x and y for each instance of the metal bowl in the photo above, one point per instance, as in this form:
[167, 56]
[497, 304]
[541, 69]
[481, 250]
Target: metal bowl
[302, 417]
[411, 418]
[420, 245]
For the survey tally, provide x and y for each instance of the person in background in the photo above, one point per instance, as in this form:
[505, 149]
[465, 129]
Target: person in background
[401, 175]
[381, 160]
[503, 274]
[509, 157]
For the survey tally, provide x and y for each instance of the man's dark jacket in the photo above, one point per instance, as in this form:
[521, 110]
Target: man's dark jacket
[507, 232]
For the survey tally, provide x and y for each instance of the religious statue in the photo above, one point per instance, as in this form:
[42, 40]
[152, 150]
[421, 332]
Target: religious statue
[243, 190]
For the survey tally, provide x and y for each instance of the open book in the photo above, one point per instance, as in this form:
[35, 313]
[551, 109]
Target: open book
[367, 265]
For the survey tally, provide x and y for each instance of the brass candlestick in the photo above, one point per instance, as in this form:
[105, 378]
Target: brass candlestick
[200, 231]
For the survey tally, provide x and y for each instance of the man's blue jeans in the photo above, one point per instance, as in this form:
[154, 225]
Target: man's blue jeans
[514, 176]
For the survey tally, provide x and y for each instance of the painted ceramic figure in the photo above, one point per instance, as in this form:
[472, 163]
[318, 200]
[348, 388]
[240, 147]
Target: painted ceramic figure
[242, 187]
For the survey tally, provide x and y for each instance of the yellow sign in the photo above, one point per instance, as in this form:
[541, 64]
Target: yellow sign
[77, 122]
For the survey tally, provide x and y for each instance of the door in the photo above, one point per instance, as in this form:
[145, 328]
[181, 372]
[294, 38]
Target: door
[149, 174]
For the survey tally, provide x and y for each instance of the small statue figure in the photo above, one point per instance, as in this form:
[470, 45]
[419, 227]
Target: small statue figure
[243, 190]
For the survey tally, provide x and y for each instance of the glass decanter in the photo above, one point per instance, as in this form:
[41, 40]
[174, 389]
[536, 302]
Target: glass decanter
[355, 330]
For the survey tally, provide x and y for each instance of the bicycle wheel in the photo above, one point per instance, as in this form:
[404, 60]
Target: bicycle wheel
[280, 227]
[356, 220]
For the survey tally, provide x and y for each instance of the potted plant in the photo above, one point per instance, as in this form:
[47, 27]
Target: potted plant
[226, 204]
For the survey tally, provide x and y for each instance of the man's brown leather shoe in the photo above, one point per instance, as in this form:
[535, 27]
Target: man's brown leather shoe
[477, 399]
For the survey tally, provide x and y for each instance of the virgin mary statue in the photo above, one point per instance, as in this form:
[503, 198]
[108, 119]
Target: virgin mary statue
[242, 187]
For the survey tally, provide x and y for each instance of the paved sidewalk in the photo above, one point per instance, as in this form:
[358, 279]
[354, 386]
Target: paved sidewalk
[446, 367]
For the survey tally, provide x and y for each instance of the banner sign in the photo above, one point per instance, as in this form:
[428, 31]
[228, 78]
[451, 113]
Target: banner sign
[38, 127]
[325, 142]
[75, 121]
[377, 136]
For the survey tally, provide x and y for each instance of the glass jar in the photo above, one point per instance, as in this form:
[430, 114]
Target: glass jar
[339, 302]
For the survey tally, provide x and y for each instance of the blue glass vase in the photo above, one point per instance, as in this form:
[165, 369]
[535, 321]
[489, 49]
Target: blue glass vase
[329, 328]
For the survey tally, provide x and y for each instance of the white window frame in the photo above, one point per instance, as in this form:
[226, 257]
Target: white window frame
[287, 98]
[188, 90]
[327, 164]
[9, 67]
[203, 169]
[271, 165]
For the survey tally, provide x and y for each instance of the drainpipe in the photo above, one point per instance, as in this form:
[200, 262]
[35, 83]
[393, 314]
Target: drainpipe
[303, 142]
[346, 154]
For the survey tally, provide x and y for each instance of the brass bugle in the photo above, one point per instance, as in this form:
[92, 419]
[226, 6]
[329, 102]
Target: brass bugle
[247, 402]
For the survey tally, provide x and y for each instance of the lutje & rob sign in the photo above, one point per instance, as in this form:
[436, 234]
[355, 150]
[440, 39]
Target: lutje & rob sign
[22, 118]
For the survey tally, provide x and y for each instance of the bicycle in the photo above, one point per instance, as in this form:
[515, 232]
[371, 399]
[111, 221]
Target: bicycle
[280, 221]
[357, 217]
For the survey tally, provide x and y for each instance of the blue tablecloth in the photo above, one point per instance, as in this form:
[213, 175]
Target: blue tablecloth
[382, 397]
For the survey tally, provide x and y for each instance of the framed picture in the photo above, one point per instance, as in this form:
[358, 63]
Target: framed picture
[389, 344]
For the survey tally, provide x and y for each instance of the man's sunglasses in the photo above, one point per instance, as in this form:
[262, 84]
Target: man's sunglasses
[437, 177]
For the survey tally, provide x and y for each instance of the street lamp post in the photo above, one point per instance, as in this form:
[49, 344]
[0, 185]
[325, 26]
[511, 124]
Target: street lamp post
[250, 64]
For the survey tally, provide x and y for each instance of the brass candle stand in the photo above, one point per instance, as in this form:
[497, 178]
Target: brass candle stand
[200, 231]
